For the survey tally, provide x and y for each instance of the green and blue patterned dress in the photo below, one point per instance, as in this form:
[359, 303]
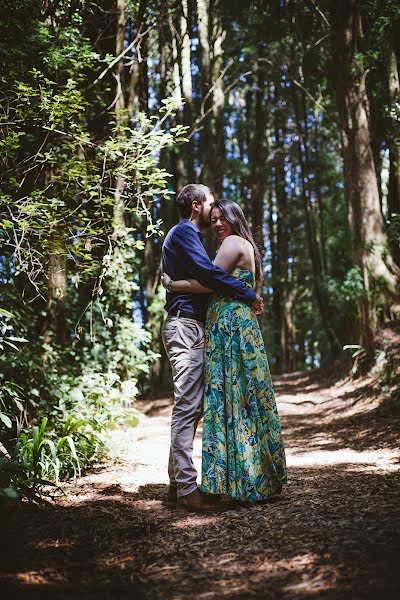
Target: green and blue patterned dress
[243, 453]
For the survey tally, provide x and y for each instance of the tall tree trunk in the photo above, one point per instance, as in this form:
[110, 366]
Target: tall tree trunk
[394, 98]
[133, 98]
[289, 363]
[144, 75]
[370, 244]
[275, 281]
[212, 148]
[135, 69]
[54, 326]
[178, 163]
[218, 37]
[120, 115]
[281, 280]
[119, 71]
[258, 154]
[318, 193]
[167, 207]
[206, 141]
[186, 67]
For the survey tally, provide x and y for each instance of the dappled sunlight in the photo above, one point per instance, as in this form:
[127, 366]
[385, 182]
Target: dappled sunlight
[378, 459]
[193, 521]
[282, 550]
[331, 530]
[53, 543]
[232, 574]
[45, 577]
[324, 579]
[117, 562]
[83, 498]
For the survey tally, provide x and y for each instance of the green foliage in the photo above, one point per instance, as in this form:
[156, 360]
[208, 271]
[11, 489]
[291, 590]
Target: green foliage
[11, 393]
[394, 230]
[60, 395]
[388, 363]
[120, 345]
[73, 436]
[15, 484]
[353, 285]
[71, 208]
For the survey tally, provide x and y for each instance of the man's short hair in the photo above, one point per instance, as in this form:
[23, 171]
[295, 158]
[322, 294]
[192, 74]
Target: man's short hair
[194, 192]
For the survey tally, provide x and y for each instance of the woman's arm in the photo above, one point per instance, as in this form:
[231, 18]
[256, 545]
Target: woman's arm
[229, 253]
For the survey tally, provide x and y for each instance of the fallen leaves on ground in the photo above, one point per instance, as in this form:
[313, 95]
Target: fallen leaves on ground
[333, 534]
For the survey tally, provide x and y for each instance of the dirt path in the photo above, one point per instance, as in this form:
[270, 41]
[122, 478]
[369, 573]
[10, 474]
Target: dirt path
[333, 534]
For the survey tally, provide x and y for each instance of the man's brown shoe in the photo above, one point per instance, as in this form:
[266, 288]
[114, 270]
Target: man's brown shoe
[171, 498]
[197, 502]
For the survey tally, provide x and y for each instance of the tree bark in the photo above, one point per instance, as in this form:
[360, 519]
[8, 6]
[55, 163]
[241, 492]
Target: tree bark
[179, 164]
[394, 98]
[187, 88]
[370, 244]
[54, 326]
[119, 67]
[218, 37]
[120, 115]
[281, 279]
[258, 156]
[135, 70]
[144, 76]
[133, 99]
[275, 282]
[53, 329]
[320, 202]
[206, 141]
[164, 40]
[289, 330]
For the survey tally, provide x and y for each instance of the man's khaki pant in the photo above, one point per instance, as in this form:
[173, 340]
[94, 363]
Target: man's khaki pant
[184, 344]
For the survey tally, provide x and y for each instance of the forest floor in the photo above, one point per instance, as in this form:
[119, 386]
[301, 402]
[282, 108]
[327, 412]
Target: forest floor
[333, 534]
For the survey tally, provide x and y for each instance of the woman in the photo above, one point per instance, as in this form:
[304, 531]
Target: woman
[243, 453]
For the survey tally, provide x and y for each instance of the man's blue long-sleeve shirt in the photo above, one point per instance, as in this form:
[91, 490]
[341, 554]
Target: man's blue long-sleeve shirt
[184, 257]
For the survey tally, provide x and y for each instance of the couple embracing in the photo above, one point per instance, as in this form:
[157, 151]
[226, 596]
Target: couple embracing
[219, 366]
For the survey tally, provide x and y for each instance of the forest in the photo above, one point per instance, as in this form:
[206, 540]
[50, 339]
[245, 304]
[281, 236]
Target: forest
[291, 109]
[107, 110]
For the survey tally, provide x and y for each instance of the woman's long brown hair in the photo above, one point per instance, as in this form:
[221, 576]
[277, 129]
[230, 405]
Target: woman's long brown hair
[235, 217]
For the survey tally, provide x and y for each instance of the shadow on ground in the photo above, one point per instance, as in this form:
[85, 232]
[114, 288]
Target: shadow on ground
[335, 534]
[358, 418]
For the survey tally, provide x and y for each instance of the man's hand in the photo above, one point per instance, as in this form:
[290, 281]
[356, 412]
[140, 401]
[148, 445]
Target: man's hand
[258, 305]
[165, 279]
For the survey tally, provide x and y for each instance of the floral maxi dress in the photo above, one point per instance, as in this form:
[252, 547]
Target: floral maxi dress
[243, 453]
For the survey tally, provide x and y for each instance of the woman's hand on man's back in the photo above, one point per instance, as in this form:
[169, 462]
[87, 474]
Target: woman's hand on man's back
[258, 305]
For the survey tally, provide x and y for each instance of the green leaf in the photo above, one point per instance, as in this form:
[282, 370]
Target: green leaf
[10, 493]
[6, 420]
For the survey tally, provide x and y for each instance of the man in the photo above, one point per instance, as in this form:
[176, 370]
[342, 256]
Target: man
[184, 257]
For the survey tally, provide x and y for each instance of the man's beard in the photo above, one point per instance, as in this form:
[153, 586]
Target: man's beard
[203, 221]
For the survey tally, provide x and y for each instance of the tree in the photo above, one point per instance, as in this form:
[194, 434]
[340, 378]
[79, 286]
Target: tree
[392, 70]
[370, 244]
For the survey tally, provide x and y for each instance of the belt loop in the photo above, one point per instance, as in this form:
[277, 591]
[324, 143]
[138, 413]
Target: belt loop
[178, 312]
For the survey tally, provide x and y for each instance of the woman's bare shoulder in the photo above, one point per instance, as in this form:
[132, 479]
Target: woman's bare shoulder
[241, 249]
[240, 243]
[234, 241]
